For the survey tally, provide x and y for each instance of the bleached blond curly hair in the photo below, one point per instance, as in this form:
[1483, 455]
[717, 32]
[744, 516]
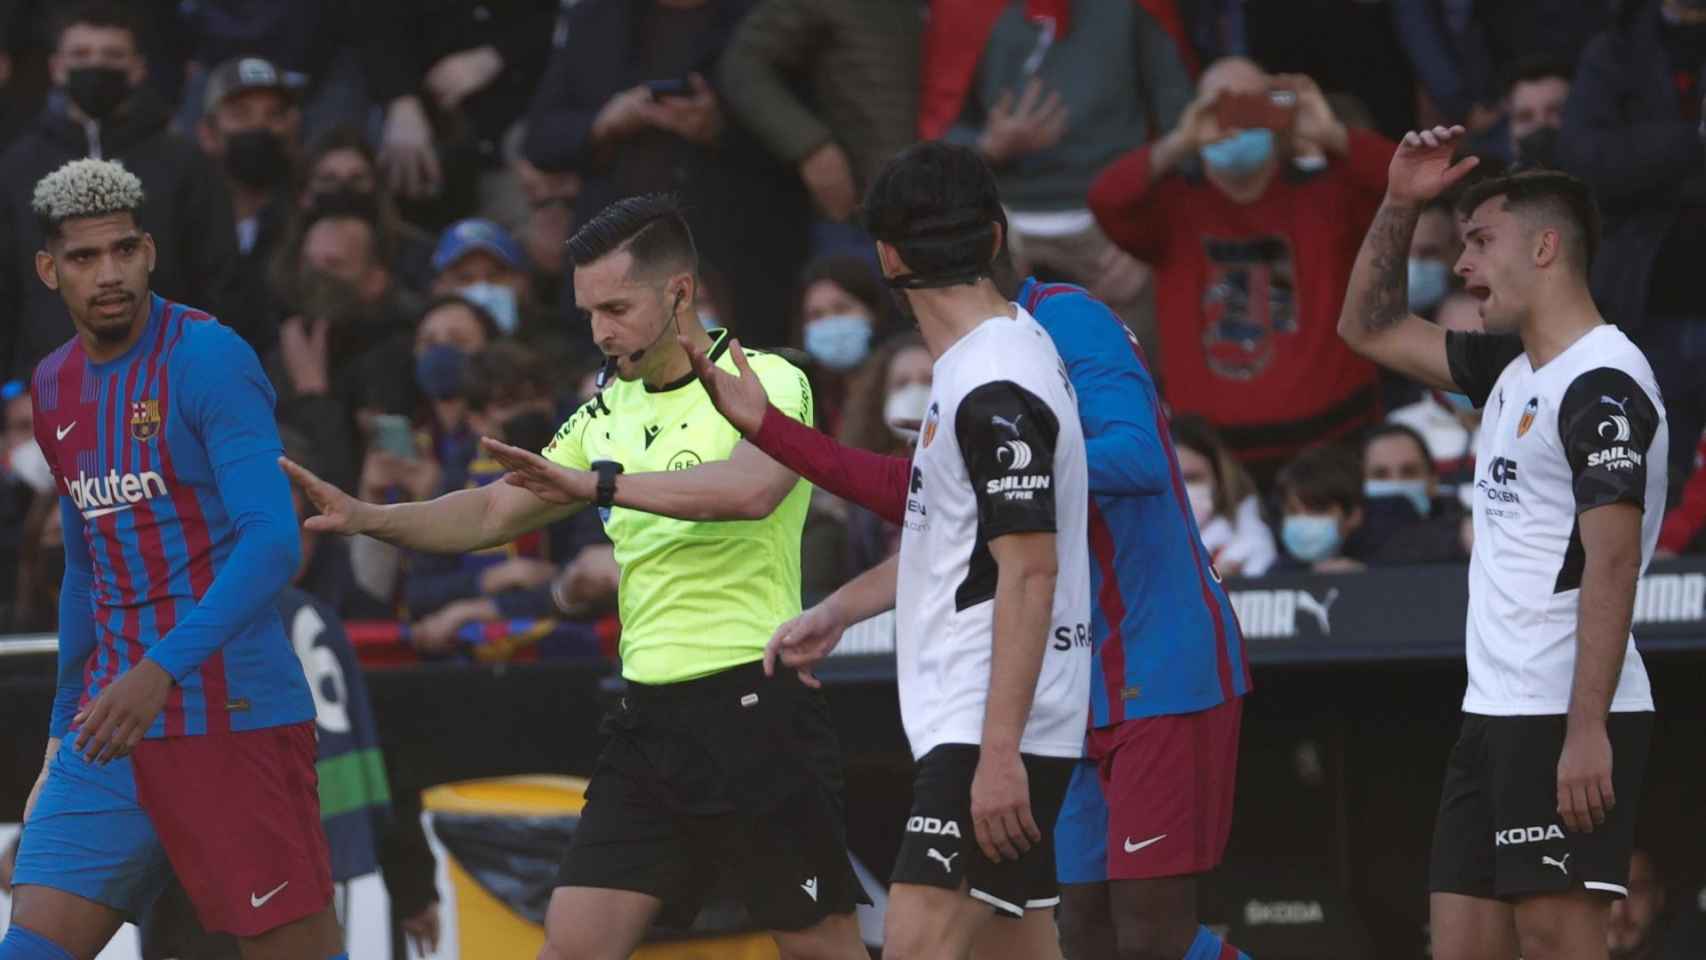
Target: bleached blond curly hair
[85, 188]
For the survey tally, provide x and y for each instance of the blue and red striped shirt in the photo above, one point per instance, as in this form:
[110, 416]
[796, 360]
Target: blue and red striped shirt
[1165, 638]
[179, 525]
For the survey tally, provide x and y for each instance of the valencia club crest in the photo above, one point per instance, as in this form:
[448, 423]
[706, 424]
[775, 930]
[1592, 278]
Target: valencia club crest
[1528, 412]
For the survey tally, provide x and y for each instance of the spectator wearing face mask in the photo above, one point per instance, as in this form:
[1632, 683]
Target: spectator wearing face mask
[510, 396]
[1252, 256]
[887, 401]
[1448, 422]
[1534, 110]
[252, 127]
[481, 261]
[1321, 504]
[1631, 130]
[1405, 518]
[1224, 500]
[840, 310]
[453, 330]
[101, 108]
[346, 354]
[339, 170]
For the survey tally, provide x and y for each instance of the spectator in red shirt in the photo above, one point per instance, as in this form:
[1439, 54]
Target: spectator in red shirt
[1251, 251]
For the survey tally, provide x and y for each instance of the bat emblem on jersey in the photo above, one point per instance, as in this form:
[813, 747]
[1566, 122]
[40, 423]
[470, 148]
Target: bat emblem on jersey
[1528, 413]
[144, 419]
[947, 861]
[930, 421]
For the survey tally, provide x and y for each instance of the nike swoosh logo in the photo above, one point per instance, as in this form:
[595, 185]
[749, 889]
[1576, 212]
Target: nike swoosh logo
[62, 432]
[259, 902]
[92, 514]
[1134, 847]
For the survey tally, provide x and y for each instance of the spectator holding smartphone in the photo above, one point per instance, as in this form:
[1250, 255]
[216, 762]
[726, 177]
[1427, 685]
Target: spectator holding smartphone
[1251, 256]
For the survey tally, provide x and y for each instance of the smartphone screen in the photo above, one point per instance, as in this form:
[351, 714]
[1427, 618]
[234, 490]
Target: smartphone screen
[393, 434]
[663, 89]
[1271, 110]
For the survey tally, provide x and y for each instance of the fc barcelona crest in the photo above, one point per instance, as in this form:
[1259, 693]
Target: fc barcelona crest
[145, 420]
[1528, 413]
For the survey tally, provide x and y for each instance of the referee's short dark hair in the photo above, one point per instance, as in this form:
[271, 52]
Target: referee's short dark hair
[1321, 478]
[937, 204]
[651, 227]
[1553, 195]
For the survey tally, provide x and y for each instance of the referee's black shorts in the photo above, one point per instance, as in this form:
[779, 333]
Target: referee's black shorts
[729, 783]
[1498, 834]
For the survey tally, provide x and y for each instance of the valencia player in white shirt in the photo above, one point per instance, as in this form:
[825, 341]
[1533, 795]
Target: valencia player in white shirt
[1537, 815]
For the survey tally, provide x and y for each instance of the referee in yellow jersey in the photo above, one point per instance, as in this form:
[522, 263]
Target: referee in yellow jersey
[712, 769]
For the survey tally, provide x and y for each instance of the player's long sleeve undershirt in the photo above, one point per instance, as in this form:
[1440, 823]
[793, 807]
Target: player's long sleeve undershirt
[264, 558]
[873, 481]
[76, 620]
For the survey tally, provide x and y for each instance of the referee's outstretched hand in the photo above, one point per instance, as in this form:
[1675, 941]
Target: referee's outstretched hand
[539, 476]
[1584, 778]
[739, 398]
[803, 641]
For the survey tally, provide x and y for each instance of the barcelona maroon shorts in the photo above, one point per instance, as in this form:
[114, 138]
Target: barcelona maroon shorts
[239, 816]
[1168, 783]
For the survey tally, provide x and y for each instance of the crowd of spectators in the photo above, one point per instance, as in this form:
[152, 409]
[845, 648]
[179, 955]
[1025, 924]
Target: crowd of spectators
[375, 196]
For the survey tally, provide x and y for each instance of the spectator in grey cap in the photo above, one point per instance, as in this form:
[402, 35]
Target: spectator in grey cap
[252, 127]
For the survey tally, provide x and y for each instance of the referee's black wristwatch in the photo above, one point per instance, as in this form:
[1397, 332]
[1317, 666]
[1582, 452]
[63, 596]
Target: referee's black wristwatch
[607, 471]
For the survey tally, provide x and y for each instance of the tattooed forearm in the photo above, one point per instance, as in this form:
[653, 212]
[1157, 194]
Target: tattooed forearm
[1382, 291]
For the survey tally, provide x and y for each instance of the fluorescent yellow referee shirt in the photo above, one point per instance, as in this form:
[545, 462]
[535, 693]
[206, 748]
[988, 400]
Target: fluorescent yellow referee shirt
[695, 597]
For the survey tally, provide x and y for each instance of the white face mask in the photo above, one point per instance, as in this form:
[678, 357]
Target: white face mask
[904, 410]
[27, 464]
[1202, 501]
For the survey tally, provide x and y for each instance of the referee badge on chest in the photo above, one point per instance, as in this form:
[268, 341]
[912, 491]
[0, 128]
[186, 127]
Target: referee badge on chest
[144, 420]
[1528, 413]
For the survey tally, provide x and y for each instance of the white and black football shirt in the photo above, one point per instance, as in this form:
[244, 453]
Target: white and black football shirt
[1585, 430]
[1000, 452]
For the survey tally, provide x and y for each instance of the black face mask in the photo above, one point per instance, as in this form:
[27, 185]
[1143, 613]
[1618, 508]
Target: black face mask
[326, 296]
[1539, 149]
[529, 431]
[256, 158]
[97, 91]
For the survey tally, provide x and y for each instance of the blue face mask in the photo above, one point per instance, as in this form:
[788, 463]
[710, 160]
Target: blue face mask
[1310, 538]
[1459, 402]
[1240, 154]
[497, 300]
[1429, 281]
[438, 371]
[839, 342]
[1415, 491]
